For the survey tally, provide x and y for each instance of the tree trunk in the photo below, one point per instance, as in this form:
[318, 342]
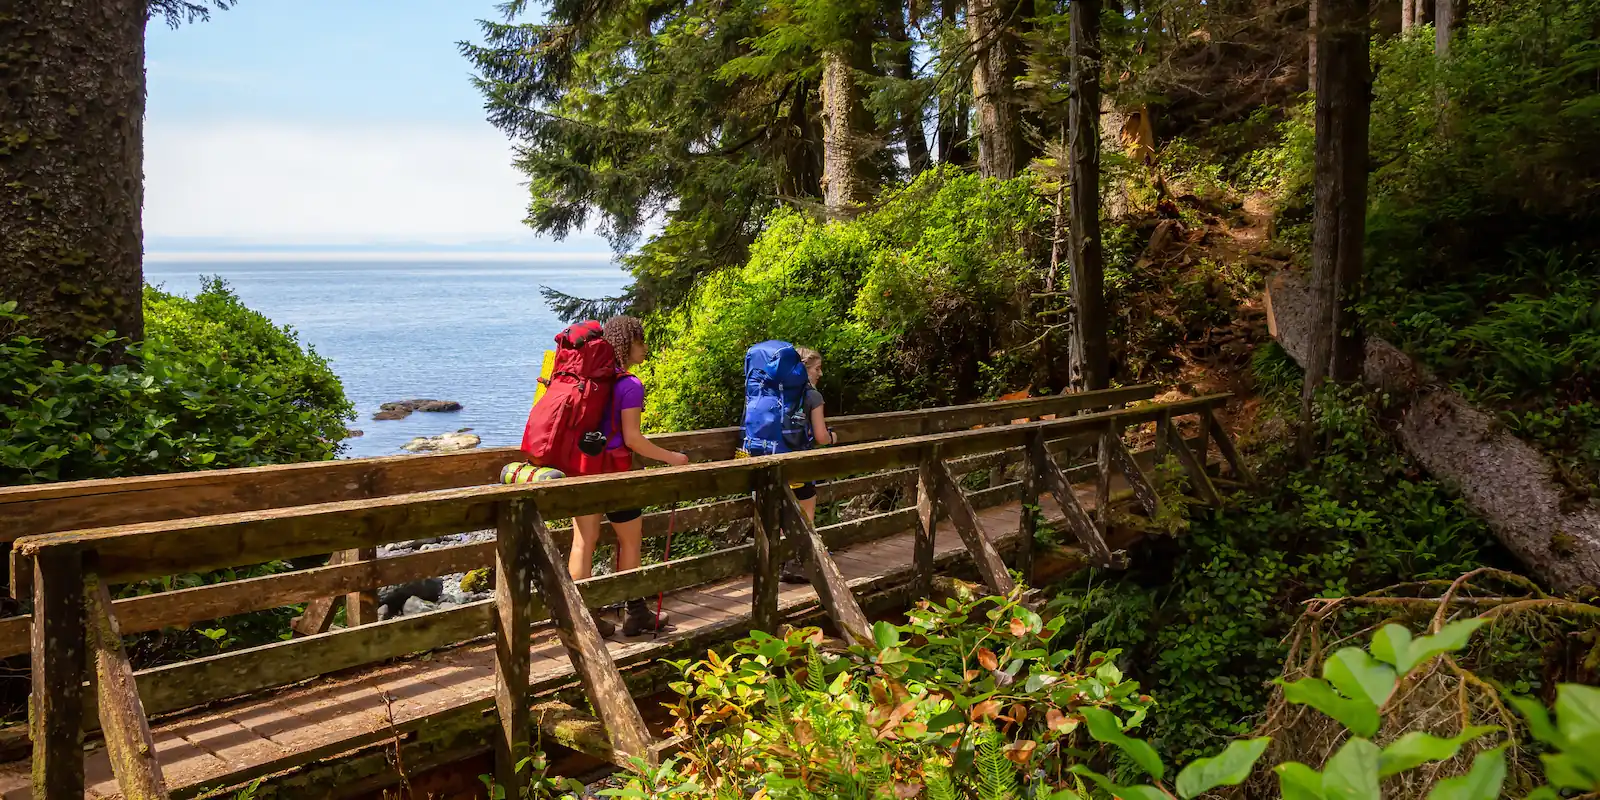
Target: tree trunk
[991, 30]
[71, 169]
[1090, 353]
[1311, 45]
[800, 173]
[917, 157]
[1408, 15]
[843, 187]
[953, 109]
[1447, 17]
[1343, 104]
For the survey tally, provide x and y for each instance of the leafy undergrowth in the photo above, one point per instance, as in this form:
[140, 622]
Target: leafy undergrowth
[979, 699]
[1202, 618]
[1484, 258]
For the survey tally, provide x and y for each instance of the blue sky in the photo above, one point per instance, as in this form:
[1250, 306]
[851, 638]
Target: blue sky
[334, 126]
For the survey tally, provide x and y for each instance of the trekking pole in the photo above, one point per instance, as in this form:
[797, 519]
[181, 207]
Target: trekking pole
[672, 522]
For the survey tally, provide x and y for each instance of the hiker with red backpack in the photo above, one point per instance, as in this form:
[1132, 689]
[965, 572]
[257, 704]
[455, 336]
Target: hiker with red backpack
[587, 423]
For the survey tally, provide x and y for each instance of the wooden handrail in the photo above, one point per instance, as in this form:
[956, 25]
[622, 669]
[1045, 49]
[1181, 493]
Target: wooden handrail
[183, 606]
[147, 550]
[50, 508]
[525, 551]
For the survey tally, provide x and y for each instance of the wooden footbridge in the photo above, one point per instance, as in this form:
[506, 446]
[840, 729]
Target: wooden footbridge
[357, 708]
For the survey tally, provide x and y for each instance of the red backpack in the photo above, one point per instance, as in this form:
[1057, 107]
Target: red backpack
[565, 423]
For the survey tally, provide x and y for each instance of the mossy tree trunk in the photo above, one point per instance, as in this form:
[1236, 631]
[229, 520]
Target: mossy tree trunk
[844, 184]
[71, 167]
[997, 63]
[1090, 356]
[1343, 107]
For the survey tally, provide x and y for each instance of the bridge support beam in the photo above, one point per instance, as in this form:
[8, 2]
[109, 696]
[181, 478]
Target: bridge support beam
[127, 731]
[832, 589]
[612, 702]
[1055, 481]
[1230, 453]
[1193, 466]
[990, 567]
[922, 549]
[1143, 490]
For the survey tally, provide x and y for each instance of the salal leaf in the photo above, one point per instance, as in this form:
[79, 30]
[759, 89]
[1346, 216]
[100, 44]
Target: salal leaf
[1105, 728]
[1394, 645]
[885, 635]
[1360, 676]
[1228, 768]
[1538, 718]
[1577, 711]
[1297, 781]
[1138, 792]
[1482, 782]
[1360, 716]
[1352, 772]
[1417, 748]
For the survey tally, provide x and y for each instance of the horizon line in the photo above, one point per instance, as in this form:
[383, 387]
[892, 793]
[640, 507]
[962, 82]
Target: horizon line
[274, 256]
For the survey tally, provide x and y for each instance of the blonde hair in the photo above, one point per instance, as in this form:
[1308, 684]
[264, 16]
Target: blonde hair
[809, 357]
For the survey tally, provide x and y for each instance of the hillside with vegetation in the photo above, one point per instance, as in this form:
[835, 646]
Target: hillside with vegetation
[955, 202]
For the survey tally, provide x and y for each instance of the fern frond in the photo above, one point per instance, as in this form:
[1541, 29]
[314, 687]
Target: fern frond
[940, 786]
[998, 778]
[814, 677]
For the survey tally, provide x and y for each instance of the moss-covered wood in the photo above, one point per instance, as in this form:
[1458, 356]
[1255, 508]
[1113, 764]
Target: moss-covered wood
[127, 731]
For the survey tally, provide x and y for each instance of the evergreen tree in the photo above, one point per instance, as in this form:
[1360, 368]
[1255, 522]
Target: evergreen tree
[72, 171]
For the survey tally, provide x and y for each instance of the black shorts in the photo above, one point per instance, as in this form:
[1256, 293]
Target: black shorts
[626, 515]
[805, 491]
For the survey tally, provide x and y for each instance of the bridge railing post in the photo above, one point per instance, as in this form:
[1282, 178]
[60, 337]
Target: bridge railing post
[59, 650]
[513, 596]
[1027, 519]
[769, 549]
[927, 524]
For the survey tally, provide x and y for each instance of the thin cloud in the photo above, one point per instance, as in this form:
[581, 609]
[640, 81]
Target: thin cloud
[348, 184]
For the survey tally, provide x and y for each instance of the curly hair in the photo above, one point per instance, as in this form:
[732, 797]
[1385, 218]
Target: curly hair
[622, 332]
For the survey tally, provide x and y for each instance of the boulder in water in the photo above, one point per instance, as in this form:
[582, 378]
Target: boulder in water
[444, 443]
[400, 409]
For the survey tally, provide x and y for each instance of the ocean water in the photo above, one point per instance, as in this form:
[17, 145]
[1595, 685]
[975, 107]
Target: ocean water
[473, 332]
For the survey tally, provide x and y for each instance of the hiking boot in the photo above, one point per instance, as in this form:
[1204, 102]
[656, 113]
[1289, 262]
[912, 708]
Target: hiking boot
[793, 571]
[641, 618]
[606, 626]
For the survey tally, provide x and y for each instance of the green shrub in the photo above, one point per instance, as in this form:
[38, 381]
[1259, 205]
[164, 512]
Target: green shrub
[214, 385]
[905, 303]
[1202, 617]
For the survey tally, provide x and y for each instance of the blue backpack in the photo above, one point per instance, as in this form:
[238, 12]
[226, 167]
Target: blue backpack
[775, 384]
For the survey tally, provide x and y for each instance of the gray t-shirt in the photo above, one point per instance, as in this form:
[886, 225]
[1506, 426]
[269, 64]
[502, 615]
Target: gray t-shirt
[813, 400]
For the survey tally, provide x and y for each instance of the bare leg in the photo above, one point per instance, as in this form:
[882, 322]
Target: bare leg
[629, 535]
[585, 537]
[809, 505]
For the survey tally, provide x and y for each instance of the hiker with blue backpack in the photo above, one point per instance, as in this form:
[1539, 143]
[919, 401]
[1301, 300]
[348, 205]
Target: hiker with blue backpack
[784, 413]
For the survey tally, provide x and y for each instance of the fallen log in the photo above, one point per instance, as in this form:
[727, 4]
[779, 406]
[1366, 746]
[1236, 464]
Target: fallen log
[1505, 480]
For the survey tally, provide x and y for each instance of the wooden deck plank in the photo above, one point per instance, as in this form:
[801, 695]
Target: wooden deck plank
[327, 711]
